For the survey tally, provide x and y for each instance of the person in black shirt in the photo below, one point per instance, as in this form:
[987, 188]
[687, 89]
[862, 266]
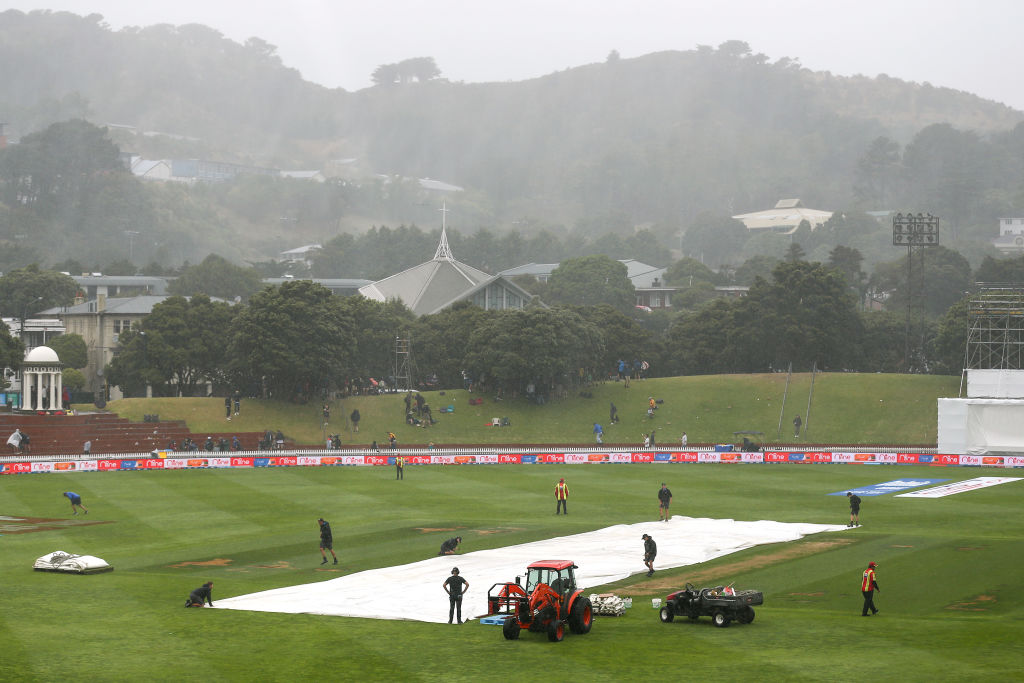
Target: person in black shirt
[201, 595]
[455, 586]
[650, 552]
[450, 546]
[326, 540]
[664, 500]
[854, 508]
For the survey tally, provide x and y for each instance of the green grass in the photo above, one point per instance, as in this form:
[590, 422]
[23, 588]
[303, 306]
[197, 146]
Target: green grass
[129, 625]
[846, 408]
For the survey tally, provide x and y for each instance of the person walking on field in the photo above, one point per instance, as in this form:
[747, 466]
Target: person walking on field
[455, 586]
[399, 467]
[355, 420]
[868, 586]
[854, 508]
[664, 500]
[650, 552]
[797, 423]
[561, 497]
[326, 540]
[76, 502]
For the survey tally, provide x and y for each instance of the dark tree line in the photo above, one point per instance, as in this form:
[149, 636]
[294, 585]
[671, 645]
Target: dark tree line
[297, 341]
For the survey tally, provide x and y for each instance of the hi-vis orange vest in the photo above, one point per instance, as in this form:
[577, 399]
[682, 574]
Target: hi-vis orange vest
[868, 583]
[561, 491]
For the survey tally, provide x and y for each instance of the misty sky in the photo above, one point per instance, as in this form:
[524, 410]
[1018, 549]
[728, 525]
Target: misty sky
[972, 46]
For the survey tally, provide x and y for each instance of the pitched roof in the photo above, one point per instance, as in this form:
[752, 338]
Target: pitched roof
[433, 286]
[427, 287]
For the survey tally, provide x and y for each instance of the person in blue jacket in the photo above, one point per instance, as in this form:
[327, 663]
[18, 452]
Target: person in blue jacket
[76, 502]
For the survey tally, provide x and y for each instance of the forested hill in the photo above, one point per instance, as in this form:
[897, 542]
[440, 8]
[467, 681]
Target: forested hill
[654, 139]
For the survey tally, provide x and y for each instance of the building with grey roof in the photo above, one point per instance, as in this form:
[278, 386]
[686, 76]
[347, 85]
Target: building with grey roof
[435, 285]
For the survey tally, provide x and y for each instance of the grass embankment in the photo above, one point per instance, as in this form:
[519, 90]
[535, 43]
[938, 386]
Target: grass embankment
[845, 408]
[949, 571]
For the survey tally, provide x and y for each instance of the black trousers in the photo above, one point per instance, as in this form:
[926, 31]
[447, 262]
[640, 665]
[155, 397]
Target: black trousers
[561, 506]
[869, 602]
[399, 473]
[455, 607]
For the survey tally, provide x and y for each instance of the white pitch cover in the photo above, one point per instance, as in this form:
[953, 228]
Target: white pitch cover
[603, 556]
[958, 487]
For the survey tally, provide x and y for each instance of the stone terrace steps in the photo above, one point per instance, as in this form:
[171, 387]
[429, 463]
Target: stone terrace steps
[109, 433]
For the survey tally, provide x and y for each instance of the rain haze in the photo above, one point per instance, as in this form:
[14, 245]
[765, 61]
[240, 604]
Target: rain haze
[972, 47]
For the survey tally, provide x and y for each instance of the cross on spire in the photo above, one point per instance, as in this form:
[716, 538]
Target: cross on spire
[444, 252]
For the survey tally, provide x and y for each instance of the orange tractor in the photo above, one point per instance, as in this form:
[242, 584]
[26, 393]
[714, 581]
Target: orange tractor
[549, 602]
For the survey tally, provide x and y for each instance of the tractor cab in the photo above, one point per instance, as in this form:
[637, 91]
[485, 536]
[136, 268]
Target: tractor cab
[558, 574]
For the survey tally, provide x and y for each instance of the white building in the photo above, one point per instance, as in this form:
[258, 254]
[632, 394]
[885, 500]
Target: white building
[1011, 236]
[785, 218]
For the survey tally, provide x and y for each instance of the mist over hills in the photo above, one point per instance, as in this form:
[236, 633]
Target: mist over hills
[654, 140]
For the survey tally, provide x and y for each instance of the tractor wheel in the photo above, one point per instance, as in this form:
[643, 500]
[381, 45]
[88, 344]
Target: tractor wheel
[667, 614]
[556, 631]
[746, 615]
[720, 619]
[510, 628]
[581, 616]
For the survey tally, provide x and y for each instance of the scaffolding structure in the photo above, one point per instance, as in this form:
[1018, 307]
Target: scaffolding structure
[995, 335]
[404, 365]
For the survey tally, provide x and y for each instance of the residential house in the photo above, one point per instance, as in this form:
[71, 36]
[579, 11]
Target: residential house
[100, 322]
[648, 281]
[1011, 236]
[302, 256]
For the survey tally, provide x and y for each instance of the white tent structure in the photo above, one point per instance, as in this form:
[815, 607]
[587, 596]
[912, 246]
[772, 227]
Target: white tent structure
[414, 591]
[988, 421]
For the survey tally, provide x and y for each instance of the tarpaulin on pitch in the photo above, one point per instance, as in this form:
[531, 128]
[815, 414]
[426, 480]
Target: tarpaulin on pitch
[414, 591]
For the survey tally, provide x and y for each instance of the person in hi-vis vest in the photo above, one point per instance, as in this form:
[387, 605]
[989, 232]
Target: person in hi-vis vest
[561, 496]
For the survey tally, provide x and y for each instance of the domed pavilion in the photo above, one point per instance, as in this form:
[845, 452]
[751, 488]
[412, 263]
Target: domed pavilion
[41, 382]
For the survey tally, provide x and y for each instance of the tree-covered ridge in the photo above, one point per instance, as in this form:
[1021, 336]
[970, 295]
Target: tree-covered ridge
[676, 131]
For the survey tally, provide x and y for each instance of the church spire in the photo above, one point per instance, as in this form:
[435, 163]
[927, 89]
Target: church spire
[444, 252]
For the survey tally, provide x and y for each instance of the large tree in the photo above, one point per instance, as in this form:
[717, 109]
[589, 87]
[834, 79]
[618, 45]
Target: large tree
[29, 290]
[591, 280]
[179, 346]
[71, 350]
[12, 351]
[294, 340]
[57, 165]
[216, 276]
[805, 315]
[939, 277]
[548, 346]
[376, 327]
[439, 341]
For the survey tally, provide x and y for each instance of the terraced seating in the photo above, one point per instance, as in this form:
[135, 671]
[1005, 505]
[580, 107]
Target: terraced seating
[109, 433]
